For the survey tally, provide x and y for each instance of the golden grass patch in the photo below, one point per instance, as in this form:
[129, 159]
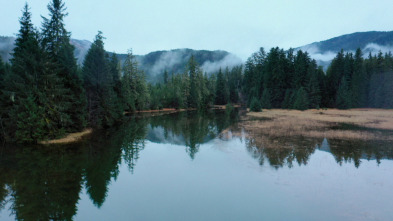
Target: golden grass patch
[70, 138]
[367, 123]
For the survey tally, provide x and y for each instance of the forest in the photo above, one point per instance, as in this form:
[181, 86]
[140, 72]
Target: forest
[45, 94]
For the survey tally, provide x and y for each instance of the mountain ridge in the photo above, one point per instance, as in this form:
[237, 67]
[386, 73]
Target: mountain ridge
[155, 63]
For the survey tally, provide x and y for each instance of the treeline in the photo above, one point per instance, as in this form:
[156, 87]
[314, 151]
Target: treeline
[195, 89]
[44, 94]
[285, 79]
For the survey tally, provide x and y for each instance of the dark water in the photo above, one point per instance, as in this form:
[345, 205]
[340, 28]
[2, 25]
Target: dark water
[190, 166]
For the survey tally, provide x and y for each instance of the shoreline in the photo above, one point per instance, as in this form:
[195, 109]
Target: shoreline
[69, 138]
[352, 124]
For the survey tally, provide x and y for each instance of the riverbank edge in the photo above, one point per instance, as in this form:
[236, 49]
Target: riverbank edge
[78, 136]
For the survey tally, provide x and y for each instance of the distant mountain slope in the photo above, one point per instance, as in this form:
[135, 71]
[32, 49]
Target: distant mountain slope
[373, 41]
[155, 63]
[175, 61]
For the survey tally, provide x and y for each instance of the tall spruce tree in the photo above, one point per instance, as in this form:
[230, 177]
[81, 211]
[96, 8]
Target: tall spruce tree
[222, 92]
[71, 100]
[129, 90]
[194, 99]
[22, 95]
[102, 102]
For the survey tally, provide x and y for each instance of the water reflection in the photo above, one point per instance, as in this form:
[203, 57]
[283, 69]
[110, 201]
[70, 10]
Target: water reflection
[44, 183]
[287, 151]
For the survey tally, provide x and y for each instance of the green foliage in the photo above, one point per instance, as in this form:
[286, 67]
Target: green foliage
[103, 102]
[288, 99]
[255, 105]
[301, 100]
[30, 123]
[222, 91]
[266, 99]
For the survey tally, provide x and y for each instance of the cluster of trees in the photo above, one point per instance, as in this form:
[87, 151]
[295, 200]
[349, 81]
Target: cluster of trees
[195, 89]
[283, 79]
[280, 79]
[45, 94]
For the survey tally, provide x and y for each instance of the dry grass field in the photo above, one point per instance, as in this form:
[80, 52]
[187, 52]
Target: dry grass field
[353, 124]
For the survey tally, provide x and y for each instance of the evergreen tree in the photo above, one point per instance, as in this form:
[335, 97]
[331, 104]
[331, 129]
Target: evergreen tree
[359, 81]
[255, 105]
[301, 100]
[23, 95]
[129, 92]
[288, 99]
[314, 90]
[194, 99]
[71, 99]
[103, 109]
[266, 99]
[343, 100]
[222, 92]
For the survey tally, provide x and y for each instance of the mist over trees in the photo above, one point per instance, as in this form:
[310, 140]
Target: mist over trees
[45, 94]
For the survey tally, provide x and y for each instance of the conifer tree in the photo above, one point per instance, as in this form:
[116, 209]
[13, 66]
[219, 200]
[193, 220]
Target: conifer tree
[301, 100]
[23, 93]
[71, 100]
[129, 91]
[222, 92]
[266, 99]
[103, 109]
[194, 98]
[343, 100]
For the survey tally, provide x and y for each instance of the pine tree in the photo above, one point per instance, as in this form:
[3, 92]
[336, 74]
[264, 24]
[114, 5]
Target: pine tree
[314, 91]
[23, 94]
[266, 99]
[103, 109]
[359, 81]
[222, 92]
[301, 100]
[343, 100]
[255, 105]
[71, 100]
[194, 99]
[129, 92]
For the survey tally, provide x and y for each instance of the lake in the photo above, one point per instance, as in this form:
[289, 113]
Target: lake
[193, 166]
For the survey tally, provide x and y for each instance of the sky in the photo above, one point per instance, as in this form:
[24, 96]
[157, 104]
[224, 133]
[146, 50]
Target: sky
[238, 26]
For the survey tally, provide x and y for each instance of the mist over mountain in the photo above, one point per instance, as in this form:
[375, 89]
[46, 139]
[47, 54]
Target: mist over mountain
[153, 64]
[370, 42]
[174, 61]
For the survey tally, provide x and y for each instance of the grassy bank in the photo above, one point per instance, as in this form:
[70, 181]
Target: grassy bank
[353, 124]
[70, 138]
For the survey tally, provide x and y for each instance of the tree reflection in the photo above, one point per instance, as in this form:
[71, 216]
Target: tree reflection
[281, 152]
[44, 183]
[285, 151]
[192, 128]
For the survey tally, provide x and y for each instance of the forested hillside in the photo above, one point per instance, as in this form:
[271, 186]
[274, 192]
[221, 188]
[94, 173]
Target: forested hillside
[45, 93]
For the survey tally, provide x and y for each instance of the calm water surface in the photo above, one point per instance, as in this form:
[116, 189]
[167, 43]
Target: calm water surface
[190, 166]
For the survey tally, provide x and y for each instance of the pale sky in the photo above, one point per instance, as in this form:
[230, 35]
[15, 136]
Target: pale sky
[237, 26]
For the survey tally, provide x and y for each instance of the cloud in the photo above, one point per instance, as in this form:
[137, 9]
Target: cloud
[6, 47]
[166, 62]
[375, 49]
[314, 52]
[228, 61]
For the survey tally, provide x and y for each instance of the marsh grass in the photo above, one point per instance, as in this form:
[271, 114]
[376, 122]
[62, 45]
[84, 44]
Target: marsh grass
[70, 138]
[353, 124]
